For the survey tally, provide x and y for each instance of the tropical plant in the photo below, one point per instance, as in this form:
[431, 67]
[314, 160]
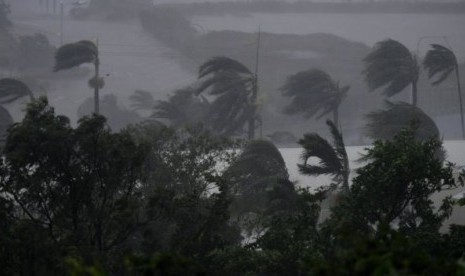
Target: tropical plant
[75, 54]
[391, 65]
[441, 62]
[10, 90]
[235, 90]
[13, 89]
[259, 183]
[333, 158]
[182, 108]
[314, 92]
[385, 124]
[142, 100]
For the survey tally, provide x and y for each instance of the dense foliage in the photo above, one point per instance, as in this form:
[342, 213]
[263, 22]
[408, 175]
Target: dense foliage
[155, 200]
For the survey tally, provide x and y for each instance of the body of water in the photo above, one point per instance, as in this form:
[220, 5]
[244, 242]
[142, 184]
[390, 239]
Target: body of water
[416, 31]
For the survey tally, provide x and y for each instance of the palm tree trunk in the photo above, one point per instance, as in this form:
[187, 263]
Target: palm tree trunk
[336, 117]
[414, 93]
[459, 90]
[97, 86]
[251, 134]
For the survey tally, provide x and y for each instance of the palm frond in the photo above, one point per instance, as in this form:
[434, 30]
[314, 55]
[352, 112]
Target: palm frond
[312, 92]
[75, 54]
[315, 146]
[440, 61]
[12, 89]
[222, 64]
[142, 100]
[385, 124]
[392, 65]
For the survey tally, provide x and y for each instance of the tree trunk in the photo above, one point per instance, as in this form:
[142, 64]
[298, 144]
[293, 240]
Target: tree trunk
[336, 118]
[459, 90]
[251, 132]
[414, 93]
[97, 86]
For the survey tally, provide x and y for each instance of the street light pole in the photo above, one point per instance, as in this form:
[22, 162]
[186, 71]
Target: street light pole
[61, 22]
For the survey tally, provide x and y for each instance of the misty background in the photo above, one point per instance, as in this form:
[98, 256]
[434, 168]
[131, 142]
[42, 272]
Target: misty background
[137, 56]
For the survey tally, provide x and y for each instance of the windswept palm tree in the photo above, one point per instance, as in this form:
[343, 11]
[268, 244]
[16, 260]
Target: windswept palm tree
[332, 157]
[314, 93]
[385, 124]
[182, 108]
[13, 89]
[10, 90]
[74, 54]
[440, 62]
[392, 66]
[142, 100]
[235, 90]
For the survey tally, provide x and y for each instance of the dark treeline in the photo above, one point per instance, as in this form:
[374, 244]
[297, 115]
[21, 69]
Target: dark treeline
[152, 200]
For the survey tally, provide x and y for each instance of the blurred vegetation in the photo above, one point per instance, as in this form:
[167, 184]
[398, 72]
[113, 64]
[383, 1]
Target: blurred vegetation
[152, 200]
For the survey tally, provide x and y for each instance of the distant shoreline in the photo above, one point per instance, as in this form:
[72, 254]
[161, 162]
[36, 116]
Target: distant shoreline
[244, 8]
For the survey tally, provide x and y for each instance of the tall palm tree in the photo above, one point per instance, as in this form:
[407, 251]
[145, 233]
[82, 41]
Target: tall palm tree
[74, 54]
[314, 92]
[332, 157]
[391, 65]
[385, 124]
[235, 90]
[440, 61]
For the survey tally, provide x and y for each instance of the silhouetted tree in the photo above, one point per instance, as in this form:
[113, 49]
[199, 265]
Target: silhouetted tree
[391, 65]
[332, 158]
[234, 87]
[385, 124]
[441, 62]
[314, 92]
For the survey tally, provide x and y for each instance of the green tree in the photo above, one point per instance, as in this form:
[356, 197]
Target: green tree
[386, 124]
[75, 54]
[332, 158]
[441, 62]
[79, 188]
[314, 92]
[391, 65]
[259, 183]
[235, 90]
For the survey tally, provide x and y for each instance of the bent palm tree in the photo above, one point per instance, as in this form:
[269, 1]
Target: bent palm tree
[441, 61]
[333, 158]
[10, 91]
[385, 124]
[312, 92]
[74, 54]
[235, 90]
[142, 100]
[392, 65]
[13, 89]
[182, 108]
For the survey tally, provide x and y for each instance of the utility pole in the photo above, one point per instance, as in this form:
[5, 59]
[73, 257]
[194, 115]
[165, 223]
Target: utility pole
[255, 92]
[61, 22]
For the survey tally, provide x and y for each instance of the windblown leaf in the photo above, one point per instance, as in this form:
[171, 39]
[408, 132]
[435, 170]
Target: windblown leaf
[142, 100]
[312, 92]
[222, 64]
[385, 124]
[439, 61]
[392, 65]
